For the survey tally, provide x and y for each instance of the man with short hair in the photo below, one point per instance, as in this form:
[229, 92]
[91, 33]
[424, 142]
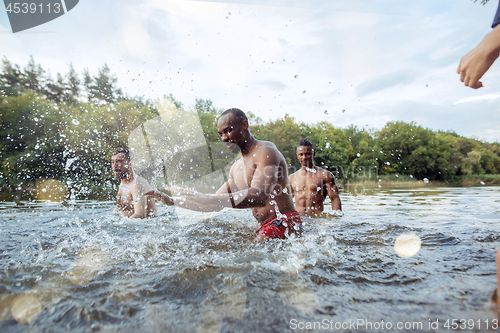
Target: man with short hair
[130, 199]
[311, 185]
[258, 180]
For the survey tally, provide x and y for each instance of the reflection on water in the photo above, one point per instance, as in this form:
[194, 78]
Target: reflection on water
[397, 255]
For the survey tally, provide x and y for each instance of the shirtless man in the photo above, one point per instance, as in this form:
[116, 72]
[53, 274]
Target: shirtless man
[311, 185]
[258, 180]
[130, 199]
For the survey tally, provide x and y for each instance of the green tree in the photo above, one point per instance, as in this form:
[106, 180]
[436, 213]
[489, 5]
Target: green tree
[30, 144]
[411, 149]
[103, 87]
[11, 79]
[333, 149]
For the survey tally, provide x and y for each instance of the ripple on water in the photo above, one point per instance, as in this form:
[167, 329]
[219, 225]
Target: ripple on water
[189, 272]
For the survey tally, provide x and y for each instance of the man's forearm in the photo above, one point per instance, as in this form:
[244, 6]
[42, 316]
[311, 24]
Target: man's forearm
[336, 204]
[215, 202]
[199, 206]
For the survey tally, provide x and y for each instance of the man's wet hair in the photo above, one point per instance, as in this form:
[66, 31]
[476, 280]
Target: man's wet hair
[237, 113]
[124, 151]
[305, 142]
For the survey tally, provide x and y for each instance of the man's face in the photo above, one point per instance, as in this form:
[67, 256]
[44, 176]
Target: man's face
[120, 165]
[229, 130]
[305, 155]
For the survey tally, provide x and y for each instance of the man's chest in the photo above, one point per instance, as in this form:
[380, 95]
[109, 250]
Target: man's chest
[243, 173]
[307, 184]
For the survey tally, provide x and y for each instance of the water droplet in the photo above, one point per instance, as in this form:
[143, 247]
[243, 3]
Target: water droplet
[482, 183]
[358, 154]
[388, 163]
[326, 111]
[343, 111]
[426, 180]
[75, 122]
[304, 92]
[295, 76]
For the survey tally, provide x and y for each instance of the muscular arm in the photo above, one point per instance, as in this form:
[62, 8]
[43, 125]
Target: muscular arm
[333, 191]
[475, 63]
[290, 180]
[264, 179]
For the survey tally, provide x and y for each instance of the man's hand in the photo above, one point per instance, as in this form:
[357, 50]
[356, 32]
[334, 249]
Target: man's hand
[160, 196]
[475, 63]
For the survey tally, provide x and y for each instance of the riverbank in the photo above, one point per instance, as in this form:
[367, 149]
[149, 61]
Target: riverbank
[407, 181]
[108, 191]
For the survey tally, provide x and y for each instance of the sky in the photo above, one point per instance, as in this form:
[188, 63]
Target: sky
[359, 62]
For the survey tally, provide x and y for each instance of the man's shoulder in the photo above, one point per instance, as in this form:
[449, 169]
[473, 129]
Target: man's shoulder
[325, 174]
[266, 154]
[266, 149]
[141, 182]
[262, 144]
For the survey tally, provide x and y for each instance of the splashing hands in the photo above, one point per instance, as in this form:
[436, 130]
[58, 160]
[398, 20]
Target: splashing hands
[160, 196]
[188, 194]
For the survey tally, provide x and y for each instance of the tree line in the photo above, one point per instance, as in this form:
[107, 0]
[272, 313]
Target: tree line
[66, 127]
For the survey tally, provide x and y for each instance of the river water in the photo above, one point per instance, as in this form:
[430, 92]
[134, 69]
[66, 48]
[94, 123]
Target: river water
[77, 267]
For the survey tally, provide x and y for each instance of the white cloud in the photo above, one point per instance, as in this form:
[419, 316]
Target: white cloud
[379, 60]
[477, 98]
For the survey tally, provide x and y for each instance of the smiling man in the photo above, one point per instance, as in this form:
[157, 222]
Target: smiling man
[130, 199]
[258, 180]
[311, 185]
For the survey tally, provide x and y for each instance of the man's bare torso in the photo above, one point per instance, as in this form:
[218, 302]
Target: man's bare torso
[309, 189]
[130, 194]
[244, 171]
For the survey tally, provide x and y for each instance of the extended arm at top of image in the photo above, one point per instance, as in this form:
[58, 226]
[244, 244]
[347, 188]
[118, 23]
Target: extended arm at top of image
[475, 63]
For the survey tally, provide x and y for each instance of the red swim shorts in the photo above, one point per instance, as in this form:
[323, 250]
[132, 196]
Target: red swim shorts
[281, 228]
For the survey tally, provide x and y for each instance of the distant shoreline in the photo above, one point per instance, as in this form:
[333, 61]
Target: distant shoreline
[406, 181]
[94, 192]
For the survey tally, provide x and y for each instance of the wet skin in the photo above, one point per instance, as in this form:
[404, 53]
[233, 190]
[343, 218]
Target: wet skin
[258, 180]
[311, 185]
[130, 199]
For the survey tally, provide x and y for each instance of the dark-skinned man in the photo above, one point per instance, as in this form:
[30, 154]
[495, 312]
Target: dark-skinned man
[258, 180]
[311, 185]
